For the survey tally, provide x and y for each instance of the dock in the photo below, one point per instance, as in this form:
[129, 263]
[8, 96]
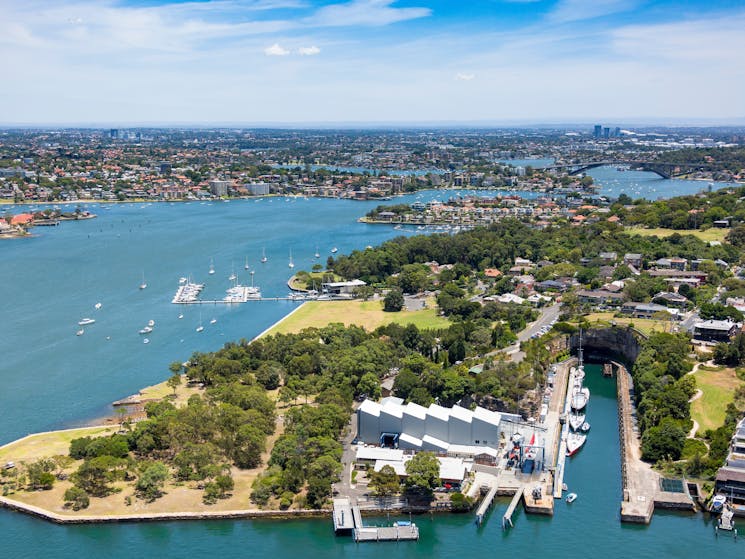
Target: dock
[348, 520]
[507, 518]
[561, 441]
[488, 483]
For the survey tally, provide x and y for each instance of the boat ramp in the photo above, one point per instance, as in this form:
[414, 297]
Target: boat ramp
[348, 520]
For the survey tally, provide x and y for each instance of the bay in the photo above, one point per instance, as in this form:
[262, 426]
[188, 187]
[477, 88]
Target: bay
[51, 378]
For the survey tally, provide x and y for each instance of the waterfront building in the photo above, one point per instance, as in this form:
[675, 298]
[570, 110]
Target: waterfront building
[436, 428]
[219, 187]
[730, 480]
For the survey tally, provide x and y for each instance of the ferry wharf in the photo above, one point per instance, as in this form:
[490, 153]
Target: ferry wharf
[348, 521]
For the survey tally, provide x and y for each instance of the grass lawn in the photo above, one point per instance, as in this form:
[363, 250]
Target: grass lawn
[47, 444]
[644, 325]
[718, 390]
[368, 314]
[712, 234]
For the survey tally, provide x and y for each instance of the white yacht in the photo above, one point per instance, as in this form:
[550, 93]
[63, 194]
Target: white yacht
[576, 420]
[86, 321]
[334, 250]
[575, 442]
[212, 267]
[143, 285]
[146, 330]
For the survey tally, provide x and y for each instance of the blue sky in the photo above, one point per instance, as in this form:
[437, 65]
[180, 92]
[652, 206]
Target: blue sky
[303, 61]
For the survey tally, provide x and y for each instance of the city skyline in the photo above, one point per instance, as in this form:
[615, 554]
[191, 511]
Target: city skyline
[372, 61]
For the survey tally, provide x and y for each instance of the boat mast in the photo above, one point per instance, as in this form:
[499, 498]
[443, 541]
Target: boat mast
[580, 356]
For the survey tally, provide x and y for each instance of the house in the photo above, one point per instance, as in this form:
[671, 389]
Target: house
[492, 273]
[648, 310]
[551, 285]
[715, 330]
[632, 259]
[672, 263]
[600, 297]
[730, 479]
[671, 299]
[608, 257]
[342, 287]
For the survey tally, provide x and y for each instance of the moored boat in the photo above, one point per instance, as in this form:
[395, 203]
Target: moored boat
[576, 420]
[575, 442]
[86, 321]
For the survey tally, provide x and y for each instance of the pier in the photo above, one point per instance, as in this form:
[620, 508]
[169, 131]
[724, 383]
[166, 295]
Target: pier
[348, 520]
[507, 518]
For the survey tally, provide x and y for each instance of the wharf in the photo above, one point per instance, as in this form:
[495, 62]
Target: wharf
[561, 401]
[348, 520]
[507, 518]
[538, 499]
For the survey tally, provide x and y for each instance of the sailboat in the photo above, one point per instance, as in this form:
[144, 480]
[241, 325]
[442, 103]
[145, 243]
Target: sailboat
[291, 263]
[212, 267]
[232, 276]
[317, 254]
[245, 266]
[143, 285]
[263, 256]
[200, 327]
[97, 306]
[575, 442]
[576, 420]
[334, 250]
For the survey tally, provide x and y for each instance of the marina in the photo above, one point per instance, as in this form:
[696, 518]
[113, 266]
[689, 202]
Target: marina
[348, 521]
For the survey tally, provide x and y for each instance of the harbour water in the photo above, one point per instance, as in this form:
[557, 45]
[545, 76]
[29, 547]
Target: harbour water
[51, 378]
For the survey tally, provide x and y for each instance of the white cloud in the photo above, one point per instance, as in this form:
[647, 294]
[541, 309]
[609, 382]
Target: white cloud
[577, 10]
[460, 76]
[276, 50]
[308, 51]
[364, 12]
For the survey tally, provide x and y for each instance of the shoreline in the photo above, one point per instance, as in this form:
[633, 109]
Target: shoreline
[277, 323]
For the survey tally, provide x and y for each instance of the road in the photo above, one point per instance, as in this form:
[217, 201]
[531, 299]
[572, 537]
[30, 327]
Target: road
[548, 314]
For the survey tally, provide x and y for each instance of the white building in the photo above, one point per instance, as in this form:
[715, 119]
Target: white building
[435, 428]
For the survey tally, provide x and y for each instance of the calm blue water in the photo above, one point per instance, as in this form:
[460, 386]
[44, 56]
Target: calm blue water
[370, 170]
[51, 378]
[642, 184]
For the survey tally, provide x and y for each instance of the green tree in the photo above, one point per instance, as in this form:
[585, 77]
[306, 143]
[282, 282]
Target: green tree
[40, 474]
[150, 484]
[423, 472]
[370, 385]
[76, 498]
[394, 300]
[663, 441]
[385, 482]
[174, 382]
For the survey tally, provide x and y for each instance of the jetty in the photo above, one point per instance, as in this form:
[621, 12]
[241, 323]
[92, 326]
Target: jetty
[348, 520]
[507, 518]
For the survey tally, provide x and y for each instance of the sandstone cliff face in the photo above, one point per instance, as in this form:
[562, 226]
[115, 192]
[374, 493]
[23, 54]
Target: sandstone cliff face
[605, 343]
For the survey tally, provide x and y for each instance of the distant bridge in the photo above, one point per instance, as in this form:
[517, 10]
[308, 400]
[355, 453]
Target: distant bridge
[664, 170]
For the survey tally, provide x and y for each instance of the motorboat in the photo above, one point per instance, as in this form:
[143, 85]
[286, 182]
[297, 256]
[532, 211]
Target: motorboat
[334, 250]
[213, 321]
[585, 427]
[151, 323]
[571, 497]
[97, 306]
[718, 503]
[180, 316]
[146, 330]
[200, 328]
[80, 332]
[86, 321]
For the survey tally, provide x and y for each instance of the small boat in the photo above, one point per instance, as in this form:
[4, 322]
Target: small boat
[245, 266]
[571, 497]
[718, 503]
[97, 306]
[291, 264]
[317, 254]
[146, 341]
[334, 250]
[580, 397]
[585, 427]
[80, 332]
[575, 442]
[212, 267]
[86, 321]
[200, 328]
[180, 316]
[182, 281]
[146, 330]
[151, 323]
[263, 256]
[213, 321]
[143, 285]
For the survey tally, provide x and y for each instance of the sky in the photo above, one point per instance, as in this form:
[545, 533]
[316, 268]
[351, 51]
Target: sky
[139, 62]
